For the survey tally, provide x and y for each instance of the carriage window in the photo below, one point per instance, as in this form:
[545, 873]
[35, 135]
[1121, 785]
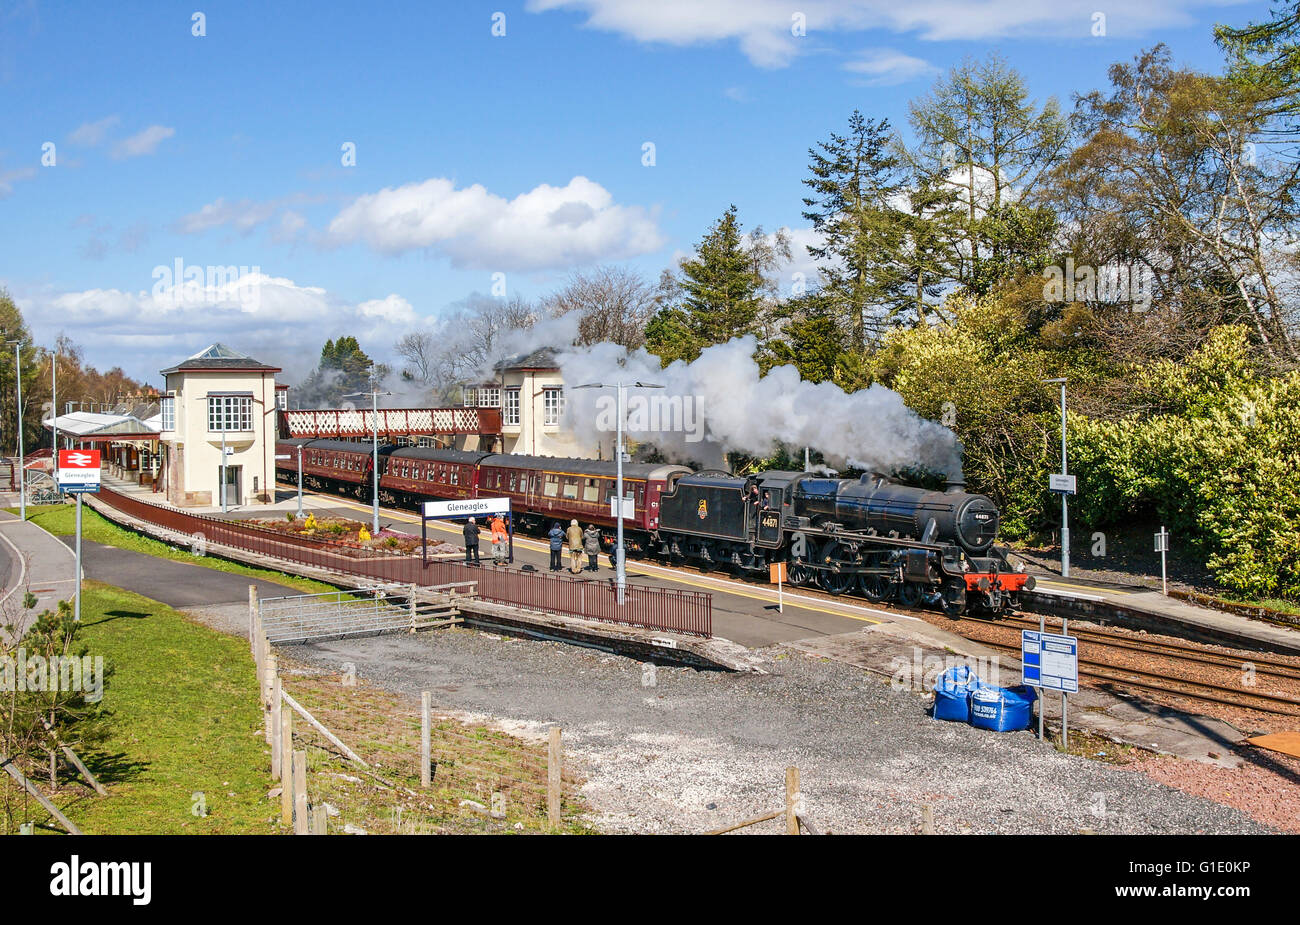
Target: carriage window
[455, 476]
[591, 490]
[571, 489]
[514, 481]
[552, 487]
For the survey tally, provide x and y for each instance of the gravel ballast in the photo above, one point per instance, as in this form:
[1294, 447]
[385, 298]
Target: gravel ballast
[700, 750]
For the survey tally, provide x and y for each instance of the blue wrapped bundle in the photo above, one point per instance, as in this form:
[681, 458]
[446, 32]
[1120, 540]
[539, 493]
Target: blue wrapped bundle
[952, 693]
[1002, 709]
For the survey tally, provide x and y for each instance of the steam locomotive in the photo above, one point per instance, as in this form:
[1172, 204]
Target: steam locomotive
[870, 536]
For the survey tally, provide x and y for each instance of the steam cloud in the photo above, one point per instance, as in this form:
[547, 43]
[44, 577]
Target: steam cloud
[737, 409]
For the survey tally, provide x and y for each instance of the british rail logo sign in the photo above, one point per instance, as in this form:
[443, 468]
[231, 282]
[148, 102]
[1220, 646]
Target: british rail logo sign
[78, 470]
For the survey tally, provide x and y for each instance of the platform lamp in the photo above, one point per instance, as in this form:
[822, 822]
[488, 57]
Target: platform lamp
[374, 463]
[1065, 496]
[620, 570]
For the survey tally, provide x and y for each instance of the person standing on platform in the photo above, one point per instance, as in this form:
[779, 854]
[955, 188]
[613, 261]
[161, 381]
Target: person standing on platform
[499, 540]
[556, 536]
[471, 542]
[591, 546]
[574, 536]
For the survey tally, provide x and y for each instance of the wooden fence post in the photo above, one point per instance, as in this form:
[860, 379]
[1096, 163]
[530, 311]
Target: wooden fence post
[791, 801]
[268, 685]
[300, 792]
[412, 600]
[286, 767]
[426, 759]
[277, 731]
[554, 777]
[318, 815]
[927, 819]
[252, 619]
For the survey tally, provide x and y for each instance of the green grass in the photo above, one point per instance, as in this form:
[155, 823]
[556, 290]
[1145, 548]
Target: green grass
[60, 520]
[185, 710]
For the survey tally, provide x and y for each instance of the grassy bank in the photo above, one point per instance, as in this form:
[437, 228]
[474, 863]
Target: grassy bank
[60, 519]
[185, 714]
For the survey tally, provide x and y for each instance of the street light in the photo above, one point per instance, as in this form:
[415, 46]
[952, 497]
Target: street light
[374, 463]
[620, 572]
[1065, 495]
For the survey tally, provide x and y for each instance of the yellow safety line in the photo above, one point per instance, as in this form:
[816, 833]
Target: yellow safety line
[537, 546]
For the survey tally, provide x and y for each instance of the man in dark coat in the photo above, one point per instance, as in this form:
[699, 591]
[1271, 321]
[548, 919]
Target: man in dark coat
[471, 542]
[556, 536]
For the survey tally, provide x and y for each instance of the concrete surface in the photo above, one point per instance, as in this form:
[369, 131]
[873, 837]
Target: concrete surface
[34, 561]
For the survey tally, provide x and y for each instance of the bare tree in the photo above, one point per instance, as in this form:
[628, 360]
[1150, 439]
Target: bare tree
[464, 344]
[614, 304]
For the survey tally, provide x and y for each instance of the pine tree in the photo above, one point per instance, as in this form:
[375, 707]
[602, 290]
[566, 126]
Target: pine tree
[718, 294]
[856, 187]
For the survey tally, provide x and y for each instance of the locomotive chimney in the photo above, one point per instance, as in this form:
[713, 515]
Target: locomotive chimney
[954, 485]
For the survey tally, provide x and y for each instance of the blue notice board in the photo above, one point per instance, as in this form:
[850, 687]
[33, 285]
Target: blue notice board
[1050, 661]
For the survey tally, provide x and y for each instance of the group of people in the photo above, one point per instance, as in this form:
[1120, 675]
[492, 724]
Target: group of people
[580, 542]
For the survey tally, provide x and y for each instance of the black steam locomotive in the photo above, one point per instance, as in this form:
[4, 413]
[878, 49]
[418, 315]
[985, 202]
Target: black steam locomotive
[873, 536]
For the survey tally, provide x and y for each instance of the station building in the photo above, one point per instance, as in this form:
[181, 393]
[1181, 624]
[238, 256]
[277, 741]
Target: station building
[529, 390]
[219, 402]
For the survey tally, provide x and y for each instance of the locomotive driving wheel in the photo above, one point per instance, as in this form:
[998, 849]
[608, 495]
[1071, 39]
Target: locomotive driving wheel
[798, 573]
[909, 594]
[876, 588]
[831, 580]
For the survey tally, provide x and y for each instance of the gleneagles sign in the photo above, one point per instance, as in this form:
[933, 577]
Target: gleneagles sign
[76, 877]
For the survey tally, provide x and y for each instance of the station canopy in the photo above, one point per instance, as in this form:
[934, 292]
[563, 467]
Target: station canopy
[99, 427]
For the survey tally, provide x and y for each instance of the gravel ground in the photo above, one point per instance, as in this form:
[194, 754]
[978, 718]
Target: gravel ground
[1267, 787]
[700, 750]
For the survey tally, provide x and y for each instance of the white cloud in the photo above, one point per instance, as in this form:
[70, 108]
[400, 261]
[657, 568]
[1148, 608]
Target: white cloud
[886, 67]
[244, 216]
[270, 318]
[762, 28]
[91, 134]
[143, 142]
[393, 308]
[545, 228]
[9, 177]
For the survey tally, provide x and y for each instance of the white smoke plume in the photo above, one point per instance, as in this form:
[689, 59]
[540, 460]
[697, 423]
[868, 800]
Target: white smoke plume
[720, 403]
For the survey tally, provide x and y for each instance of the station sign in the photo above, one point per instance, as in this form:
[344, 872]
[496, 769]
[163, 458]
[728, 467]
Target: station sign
[467, 507]
[629, 508]
[1064, 484]
[1049, 661]
[78, 470]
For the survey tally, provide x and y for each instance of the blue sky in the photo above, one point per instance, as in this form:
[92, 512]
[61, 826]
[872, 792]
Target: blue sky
[476, 154]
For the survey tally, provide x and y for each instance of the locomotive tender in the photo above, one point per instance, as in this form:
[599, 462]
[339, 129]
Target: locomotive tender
[870, 536]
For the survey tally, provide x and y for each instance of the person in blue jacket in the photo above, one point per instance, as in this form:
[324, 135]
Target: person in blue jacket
[556, 536]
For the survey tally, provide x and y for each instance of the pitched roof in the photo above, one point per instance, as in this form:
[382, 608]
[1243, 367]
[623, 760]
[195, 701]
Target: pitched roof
[220, 357]
[541, 358]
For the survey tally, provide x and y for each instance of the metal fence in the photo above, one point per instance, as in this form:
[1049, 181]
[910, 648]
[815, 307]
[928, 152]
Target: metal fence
[667, 609]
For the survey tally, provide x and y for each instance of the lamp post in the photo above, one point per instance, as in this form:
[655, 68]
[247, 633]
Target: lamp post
[620, 570]
[374, 461]
[1065, 495]
[299, 517]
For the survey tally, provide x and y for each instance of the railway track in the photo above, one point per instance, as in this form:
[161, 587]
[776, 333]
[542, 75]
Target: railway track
[1164, 683]
[1189, 653]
